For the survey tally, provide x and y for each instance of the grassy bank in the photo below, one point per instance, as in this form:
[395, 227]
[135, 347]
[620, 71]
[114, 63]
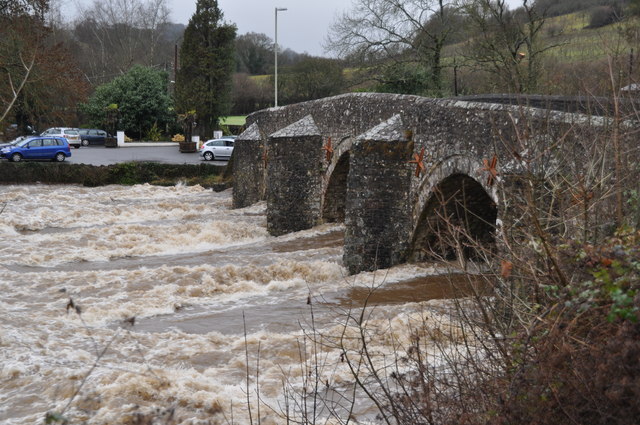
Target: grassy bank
[128, 173]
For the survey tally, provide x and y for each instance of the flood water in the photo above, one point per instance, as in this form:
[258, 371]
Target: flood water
[123, 301]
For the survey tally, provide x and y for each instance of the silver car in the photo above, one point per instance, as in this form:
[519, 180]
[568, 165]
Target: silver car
[217, 149]
[71, 134]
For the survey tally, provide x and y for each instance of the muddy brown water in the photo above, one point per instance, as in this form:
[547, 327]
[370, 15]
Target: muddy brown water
[175, 292]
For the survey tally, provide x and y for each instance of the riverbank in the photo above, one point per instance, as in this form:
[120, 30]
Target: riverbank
[127, 173]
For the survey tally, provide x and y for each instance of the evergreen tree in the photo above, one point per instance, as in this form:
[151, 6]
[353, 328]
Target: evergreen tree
[207, 61]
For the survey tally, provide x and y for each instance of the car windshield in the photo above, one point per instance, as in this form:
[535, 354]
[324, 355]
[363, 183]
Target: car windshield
[21, 143]
[72, 132]
[17, 140]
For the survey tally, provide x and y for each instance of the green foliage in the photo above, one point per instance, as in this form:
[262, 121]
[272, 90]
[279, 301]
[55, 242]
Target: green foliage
[154, 133]
[140, 98]
[614, 272]
[188, 121]
[237, 120]
[207, 61]
[225, 129]
[55, 418]
[128, 173]
[123, 173]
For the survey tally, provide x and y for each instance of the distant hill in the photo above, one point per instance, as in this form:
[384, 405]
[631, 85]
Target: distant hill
[173, 32]
[564, 7]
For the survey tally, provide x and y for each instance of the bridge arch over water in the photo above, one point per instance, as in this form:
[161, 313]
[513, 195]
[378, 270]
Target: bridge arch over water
[394, 168]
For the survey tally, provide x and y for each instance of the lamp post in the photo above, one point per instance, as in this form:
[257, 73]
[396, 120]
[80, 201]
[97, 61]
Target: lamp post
[278, 9]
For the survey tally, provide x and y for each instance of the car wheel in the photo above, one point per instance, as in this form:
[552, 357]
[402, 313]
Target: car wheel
[85, 143]
[76, 146]
[60, 157]
[16, 157]
[208, 156]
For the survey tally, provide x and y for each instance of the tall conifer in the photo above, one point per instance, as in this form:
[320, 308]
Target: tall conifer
[207, 61]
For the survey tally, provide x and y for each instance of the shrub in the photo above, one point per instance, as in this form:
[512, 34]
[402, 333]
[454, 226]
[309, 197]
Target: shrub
[154, 133]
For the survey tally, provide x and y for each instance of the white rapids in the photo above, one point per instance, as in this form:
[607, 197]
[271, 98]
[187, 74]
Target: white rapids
[142, 300]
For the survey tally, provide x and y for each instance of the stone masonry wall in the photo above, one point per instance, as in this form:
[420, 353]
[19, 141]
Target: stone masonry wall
[248, 168]
[384, 200]
[295, 170]
[377, 217]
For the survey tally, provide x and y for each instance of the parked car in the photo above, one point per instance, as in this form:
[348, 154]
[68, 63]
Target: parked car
[13, 142]
[39, 147]
[93, 136]
[217, 149]
[71, 134]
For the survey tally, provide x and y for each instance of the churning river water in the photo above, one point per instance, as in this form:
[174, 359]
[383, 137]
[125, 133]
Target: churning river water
[129, 302]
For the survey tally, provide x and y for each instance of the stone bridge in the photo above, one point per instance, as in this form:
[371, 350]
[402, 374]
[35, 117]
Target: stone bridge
[390, 167]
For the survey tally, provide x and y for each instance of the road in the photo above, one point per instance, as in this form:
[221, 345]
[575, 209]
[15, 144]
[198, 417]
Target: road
[99, 155]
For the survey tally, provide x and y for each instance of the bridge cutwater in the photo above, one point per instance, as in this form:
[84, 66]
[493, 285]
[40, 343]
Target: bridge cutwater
[393, 167]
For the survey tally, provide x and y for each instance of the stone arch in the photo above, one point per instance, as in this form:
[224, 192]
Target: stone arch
[335, 197]
[335, 178]
[440, 170]
[458, 216]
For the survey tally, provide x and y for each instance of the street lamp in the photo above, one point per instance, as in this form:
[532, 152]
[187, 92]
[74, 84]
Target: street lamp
[278, 9]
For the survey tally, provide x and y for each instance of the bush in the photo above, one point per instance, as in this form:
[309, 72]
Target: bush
[579, 361]
[154, 133]
[125, 173]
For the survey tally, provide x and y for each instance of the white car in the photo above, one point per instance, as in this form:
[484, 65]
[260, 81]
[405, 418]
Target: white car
[214, 149]
[71, 134]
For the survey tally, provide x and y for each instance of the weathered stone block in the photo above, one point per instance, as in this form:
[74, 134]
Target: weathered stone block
[294, 173]
[248, 168]
[377, 222]
[369, 183]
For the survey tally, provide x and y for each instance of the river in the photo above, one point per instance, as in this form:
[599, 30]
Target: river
[133, 302]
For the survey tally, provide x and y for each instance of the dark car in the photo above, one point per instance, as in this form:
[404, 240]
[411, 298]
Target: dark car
[93, 136]
[41, 147]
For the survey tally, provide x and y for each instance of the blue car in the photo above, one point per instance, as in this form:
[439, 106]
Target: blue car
[40, 147]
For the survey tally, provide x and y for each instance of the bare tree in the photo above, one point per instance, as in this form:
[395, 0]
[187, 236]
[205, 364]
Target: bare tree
[507, 42]
[21, 25]
[17, 74]
[117, 34]
[402, 30]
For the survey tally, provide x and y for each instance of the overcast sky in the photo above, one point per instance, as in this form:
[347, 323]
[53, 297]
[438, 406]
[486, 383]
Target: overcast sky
[302, 27]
